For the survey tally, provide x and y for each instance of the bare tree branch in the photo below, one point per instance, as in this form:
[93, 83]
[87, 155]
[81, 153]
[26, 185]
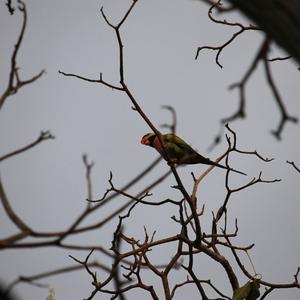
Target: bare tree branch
[44, 135]
[219, 49]
[270, 15]
[11, 214]
[284, 115]
[58, 271]
[294, 165]
[10, 8]
[189, 241]
[14, 81]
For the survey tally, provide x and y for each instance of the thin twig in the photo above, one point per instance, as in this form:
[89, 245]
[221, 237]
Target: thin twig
[10, 8]
[294, 165]
[44, 135]
[220, 48]
[88, 167]
[31, 279]
[285, 117]
[14, 81]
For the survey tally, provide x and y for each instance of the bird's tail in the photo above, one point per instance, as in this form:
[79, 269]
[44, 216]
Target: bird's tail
[236, 171]
[210, 162]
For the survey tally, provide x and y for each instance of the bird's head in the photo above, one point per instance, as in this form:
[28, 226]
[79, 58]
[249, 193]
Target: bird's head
[148, 139]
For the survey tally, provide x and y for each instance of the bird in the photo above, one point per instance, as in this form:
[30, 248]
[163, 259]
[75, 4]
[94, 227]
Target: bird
[177, 151]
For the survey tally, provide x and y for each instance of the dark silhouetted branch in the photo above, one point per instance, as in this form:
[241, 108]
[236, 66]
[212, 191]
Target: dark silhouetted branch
[14, 81]
[219, 49]
[45, 135]
[294, 165]
[270, 15]
[284, 115]
[10, 8]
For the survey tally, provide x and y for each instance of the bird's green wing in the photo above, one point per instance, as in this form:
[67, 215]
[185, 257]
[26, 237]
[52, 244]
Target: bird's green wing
[178, 150]
[180, 143]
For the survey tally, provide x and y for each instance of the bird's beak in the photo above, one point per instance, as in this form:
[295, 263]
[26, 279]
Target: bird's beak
[145, 141]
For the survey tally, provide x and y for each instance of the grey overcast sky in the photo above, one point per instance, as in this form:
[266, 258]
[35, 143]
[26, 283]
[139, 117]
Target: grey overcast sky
[46, 185]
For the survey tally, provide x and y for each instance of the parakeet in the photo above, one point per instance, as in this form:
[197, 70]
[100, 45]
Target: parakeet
[178, 151]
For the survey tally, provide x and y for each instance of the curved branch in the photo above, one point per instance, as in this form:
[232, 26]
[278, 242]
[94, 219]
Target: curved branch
[11, 213]
[270, 16]
[220, 48]
[44, 135]
[284, 115]
[14, 81]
